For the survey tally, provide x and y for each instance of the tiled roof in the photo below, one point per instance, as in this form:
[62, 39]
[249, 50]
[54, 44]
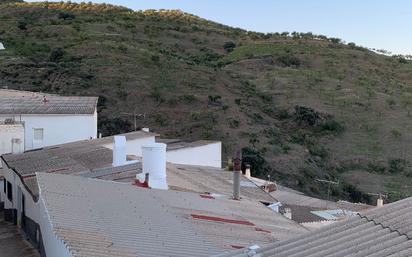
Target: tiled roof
[176, 144]
[100, 218]
[385, 231]
[23, 102]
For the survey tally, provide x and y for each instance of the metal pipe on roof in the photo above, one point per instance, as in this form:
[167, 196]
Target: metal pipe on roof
[236, 176]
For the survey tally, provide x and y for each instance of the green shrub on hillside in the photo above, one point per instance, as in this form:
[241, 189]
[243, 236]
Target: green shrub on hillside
[397, 165]
[289, 60]
[330, 126]
[56, 54]
[259, 166]
[229, 46]
[306, 115]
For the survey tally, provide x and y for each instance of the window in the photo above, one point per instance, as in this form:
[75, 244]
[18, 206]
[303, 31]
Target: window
[9, 191]
[38, 134]
[4, 186]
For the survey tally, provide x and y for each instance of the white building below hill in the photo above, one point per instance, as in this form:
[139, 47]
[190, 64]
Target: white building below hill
[31, 120]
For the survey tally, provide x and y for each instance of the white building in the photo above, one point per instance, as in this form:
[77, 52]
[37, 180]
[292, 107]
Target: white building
[31, 120]
[200, 152]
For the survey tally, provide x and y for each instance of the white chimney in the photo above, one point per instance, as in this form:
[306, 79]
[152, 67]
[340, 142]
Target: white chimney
[119, 151]
[146, 129]
[154, 163]
[247, 171]
[288, 213]
[379, 202]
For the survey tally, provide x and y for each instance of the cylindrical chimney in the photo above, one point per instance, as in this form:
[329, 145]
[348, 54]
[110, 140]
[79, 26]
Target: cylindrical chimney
[247, 170]
[154, 164]
[379, 202]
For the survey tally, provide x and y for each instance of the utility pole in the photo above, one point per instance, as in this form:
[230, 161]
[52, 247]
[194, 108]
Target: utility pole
[329, 182]
[135, 115]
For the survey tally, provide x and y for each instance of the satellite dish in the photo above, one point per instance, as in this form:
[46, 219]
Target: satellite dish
[2, 46]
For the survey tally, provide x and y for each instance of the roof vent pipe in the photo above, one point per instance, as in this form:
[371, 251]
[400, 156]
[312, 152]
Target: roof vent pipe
[287, 212]
[379, 203]
[154, 164]
[119, 151]
[247, 170]
[236, 176]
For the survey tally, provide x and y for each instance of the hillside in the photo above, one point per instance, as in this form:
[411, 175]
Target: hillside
[301, 106]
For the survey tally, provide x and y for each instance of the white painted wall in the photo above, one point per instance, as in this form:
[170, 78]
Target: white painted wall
[1, 189]
[57, 129]
[35, 211]
[206, 155]
[8, 132]
[53, 246]
[134, 147]
[31, 207]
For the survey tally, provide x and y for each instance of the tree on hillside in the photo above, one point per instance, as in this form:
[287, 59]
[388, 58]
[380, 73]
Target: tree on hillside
[229, 46]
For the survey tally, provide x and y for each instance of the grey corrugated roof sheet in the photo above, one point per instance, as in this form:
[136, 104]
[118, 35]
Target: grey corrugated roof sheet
[212, 180]
[24, 102]
[101, 218]
[90, 158]
[385, 231]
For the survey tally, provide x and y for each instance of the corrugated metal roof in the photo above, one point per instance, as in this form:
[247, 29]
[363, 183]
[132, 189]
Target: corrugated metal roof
[99, 218]
[90, 158]
[73, 158]
[212, 180]
[385, 231]
[24, 102]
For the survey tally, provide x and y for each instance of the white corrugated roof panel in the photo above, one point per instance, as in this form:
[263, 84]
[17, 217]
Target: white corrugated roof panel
[385, 231]
[105, 218]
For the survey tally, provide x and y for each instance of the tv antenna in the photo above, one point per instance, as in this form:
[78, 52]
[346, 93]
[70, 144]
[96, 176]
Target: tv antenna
[329, 182]
[135, 115]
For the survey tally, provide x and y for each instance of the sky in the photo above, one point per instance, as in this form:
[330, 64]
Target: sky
[380, 24]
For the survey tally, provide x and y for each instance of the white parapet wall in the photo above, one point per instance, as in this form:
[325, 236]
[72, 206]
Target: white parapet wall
[134, 146]
[209, 155]
[11, 138]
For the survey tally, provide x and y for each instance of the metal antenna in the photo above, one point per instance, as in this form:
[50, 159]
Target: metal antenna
[329, 182]
[135, 115]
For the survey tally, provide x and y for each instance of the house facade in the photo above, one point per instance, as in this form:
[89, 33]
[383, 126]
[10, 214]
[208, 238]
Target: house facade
[30, 120]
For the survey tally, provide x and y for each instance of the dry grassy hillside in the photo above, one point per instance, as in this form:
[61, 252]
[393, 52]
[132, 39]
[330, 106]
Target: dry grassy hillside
[301, 106]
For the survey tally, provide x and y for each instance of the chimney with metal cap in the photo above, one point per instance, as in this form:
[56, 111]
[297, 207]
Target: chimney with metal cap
[236, 176]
